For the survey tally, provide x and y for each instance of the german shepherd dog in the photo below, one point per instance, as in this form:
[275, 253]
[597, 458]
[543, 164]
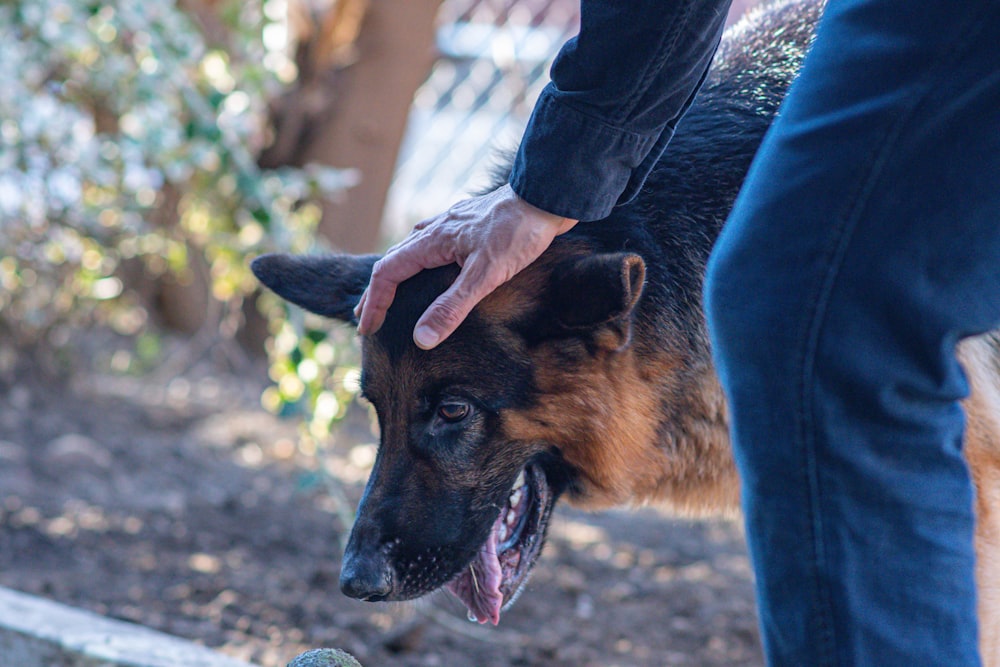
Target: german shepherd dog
[588, 376]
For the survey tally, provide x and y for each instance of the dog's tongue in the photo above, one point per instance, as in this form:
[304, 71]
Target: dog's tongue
[479, 585]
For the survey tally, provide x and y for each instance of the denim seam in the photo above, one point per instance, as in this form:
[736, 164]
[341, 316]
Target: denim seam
[842, 235]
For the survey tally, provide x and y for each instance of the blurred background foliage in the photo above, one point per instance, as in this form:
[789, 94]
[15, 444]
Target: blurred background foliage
[131, 194]
[148, 150]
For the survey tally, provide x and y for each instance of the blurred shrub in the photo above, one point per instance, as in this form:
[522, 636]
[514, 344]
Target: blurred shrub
[127, 139]
[315, 373]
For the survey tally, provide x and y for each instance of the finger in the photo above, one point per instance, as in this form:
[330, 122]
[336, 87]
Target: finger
[358, 309]
[406, 261]
[415, 235]
[407, 240]
[376, 306]
[450, 309]
[378, 297]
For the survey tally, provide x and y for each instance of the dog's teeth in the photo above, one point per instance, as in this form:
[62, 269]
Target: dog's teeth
[520, 481]
[515, 497]
[511, 518]
[472, 617]
[502, 533]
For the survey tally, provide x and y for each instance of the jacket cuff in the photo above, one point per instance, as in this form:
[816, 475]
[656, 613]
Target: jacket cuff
[575, 165]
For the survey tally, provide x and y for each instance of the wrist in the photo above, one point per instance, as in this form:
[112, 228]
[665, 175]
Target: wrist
[557, 223]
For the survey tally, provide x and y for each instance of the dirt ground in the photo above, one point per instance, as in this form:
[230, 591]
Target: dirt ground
[178, 503]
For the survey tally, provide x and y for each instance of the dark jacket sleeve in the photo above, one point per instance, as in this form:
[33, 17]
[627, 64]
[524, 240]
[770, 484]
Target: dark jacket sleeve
[618, 90]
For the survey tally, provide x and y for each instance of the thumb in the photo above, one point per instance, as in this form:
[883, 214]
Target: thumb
[450, 309]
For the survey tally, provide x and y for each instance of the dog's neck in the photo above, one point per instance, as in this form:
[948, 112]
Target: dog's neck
[698, 473]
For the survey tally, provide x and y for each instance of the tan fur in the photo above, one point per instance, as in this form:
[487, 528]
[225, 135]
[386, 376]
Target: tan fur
[617, 442]
[979, 356]
[615, 416]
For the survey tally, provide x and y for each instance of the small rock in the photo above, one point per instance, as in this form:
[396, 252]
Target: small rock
[77, 449]
[325, 657]
[12, 452]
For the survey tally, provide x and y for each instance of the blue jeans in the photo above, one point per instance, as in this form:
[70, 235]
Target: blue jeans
[865, 244]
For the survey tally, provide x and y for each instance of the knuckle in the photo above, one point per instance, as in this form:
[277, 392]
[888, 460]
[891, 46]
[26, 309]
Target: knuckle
[381, 272]
[480, 278]
[449, 312]
[490, 281]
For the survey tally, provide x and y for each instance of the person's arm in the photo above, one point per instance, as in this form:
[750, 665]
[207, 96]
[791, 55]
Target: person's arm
[617, 92]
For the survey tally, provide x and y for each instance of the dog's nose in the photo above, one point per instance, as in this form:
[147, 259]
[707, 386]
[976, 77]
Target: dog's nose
[366, 576]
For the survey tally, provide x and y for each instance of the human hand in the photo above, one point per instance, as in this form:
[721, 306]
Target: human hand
[491, 237]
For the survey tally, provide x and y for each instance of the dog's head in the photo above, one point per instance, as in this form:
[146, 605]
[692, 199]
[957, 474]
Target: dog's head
[481, 435]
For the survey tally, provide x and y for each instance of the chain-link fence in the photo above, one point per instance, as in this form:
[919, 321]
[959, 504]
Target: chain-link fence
[494, 60]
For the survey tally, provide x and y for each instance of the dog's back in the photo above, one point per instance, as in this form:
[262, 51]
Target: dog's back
[674, 221]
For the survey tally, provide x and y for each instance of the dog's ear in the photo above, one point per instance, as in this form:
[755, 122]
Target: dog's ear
[597, 293]
[329, 285]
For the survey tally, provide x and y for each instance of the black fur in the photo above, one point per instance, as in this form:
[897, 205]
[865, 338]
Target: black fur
[328, 288]
[674, 220]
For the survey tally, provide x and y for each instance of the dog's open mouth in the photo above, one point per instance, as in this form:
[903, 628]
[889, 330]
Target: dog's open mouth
[495, 576]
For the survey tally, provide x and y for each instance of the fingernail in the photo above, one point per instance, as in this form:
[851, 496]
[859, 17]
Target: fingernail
[425, 337]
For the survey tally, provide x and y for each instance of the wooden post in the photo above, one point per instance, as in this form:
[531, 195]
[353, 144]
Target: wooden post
[352, 112]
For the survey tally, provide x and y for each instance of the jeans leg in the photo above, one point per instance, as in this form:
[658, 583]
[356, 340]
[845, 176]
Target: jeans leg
[864, 245]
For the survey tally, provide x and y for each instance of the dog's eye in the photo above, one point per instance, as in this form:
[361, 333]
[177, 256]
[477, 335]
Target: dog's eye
[453, 412]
